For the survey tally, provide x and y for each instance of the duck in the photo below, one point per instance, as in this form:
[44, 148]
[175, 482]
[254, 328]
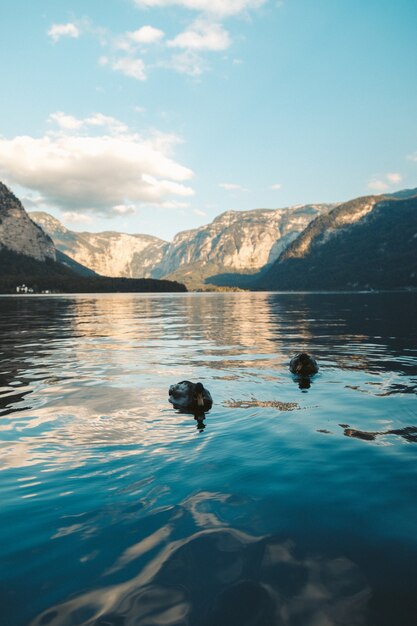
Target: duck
[190, 396]
[304, 364]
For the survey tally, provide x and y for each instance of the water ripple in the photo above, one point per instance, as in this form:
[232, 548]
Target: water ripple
[286, 503]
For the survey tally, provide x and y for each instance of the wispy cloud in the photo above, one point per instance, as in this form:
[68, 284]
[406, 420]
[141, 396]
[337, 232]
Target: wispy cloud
[383, 182]
[124, 209]
[220, 8]
[188, 62]
[129, 66]
[69, 122]
[202, 35]
[378, 185]
[70, 217]
[394, 177]
[183, 52]
[205, 34]
[232, 187]
[276, 186]
[57, 31]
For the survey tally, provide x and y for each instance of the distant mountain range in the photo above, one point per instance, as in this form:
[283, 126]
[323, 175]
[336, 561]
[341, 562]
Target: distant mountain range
[235, 241]
[28, 256]
[366, 243]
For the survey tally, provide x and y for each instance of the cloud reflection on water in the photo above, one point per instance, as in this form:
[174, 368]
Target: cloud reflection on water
[222, 576]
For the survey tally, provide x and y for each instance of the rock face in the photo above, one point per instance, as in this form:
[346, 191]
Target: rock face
[17, 231]
[325, 226]
[241, 241]
[108, 253]
[236, 241]
[370, 242]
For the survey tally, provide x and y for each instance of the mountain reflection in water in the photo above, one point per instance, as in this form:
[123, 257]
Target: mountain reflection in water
[119, 510]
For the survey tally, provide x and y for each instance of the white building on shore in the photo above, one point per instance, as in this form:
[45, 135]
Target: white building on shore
[24, 289]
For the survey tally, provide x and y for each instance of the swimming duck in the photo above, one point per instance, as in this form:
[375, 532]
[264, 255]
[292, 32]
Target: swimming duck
[304, 364]
[190, 396]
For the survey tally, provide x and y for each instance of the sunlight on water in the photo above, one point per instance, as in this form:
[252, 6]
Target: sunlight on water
[287, 504]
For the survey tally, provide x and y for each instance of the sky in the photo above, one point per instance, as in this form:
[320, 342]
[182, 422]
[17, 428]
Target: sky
[155, 116]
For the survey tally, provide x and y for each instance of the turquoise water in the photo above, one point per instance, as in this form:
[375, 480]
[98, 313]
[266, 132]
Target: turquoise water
[284, 506]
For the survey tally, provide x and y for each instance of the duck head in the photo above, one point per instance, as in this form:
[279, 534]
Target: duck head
[303, 365]
[198, 395]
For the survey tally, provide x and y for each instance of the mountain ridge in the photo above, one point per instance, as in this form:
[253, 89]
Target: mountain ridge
[234, 241]
[369, 242]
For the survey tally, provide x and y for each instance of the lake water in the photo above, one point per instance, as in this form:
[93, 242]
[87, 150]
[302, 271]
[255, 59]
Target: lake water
[286, 505]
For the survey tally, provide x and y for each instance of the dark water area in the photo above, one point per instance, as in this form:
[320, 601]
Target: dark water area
[288, 504]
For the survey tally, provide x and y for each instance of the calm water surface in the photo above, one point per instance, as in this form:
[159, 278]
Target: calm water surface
[285, 506]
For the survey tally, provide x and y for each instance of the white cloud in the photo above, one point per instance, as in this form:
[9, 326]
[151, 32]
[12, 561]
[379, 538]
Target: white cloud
[63, 30]
[394, 177]
[188, 62]
[135, 68]
[174, 204]
[124, 209]
[202, 35]
[413, 157]
[106, 121]
[66, 122]
[97, 173]
[71, 217]
[146, 34]
[31, 202]
[70, 123]
[276, 186]
[220, 8]
[385, 181]
[232, 187]
[199, 212]
[378, 185]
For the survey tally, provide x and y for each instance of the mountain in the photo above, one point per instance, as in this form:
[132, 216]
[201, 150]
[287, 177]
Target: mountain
[236, 241]
[28, 256]
[18, 232]
[18, 269]
[108, 253]
[370, 242]
[73, 265]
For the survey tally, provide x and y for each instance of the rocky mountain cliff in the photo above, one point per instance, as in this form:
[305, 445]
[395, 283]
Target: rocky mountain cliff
[370, 242]
[236, 241]
[108, 253]
[18, 232]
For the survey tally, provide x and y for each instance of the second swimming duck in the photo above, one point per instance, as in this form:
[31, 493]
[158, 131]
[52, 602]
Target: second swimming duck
[304, 364]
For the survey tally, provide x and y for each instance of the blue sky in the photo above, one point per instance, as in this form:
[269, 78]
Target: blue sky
[154, 116]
